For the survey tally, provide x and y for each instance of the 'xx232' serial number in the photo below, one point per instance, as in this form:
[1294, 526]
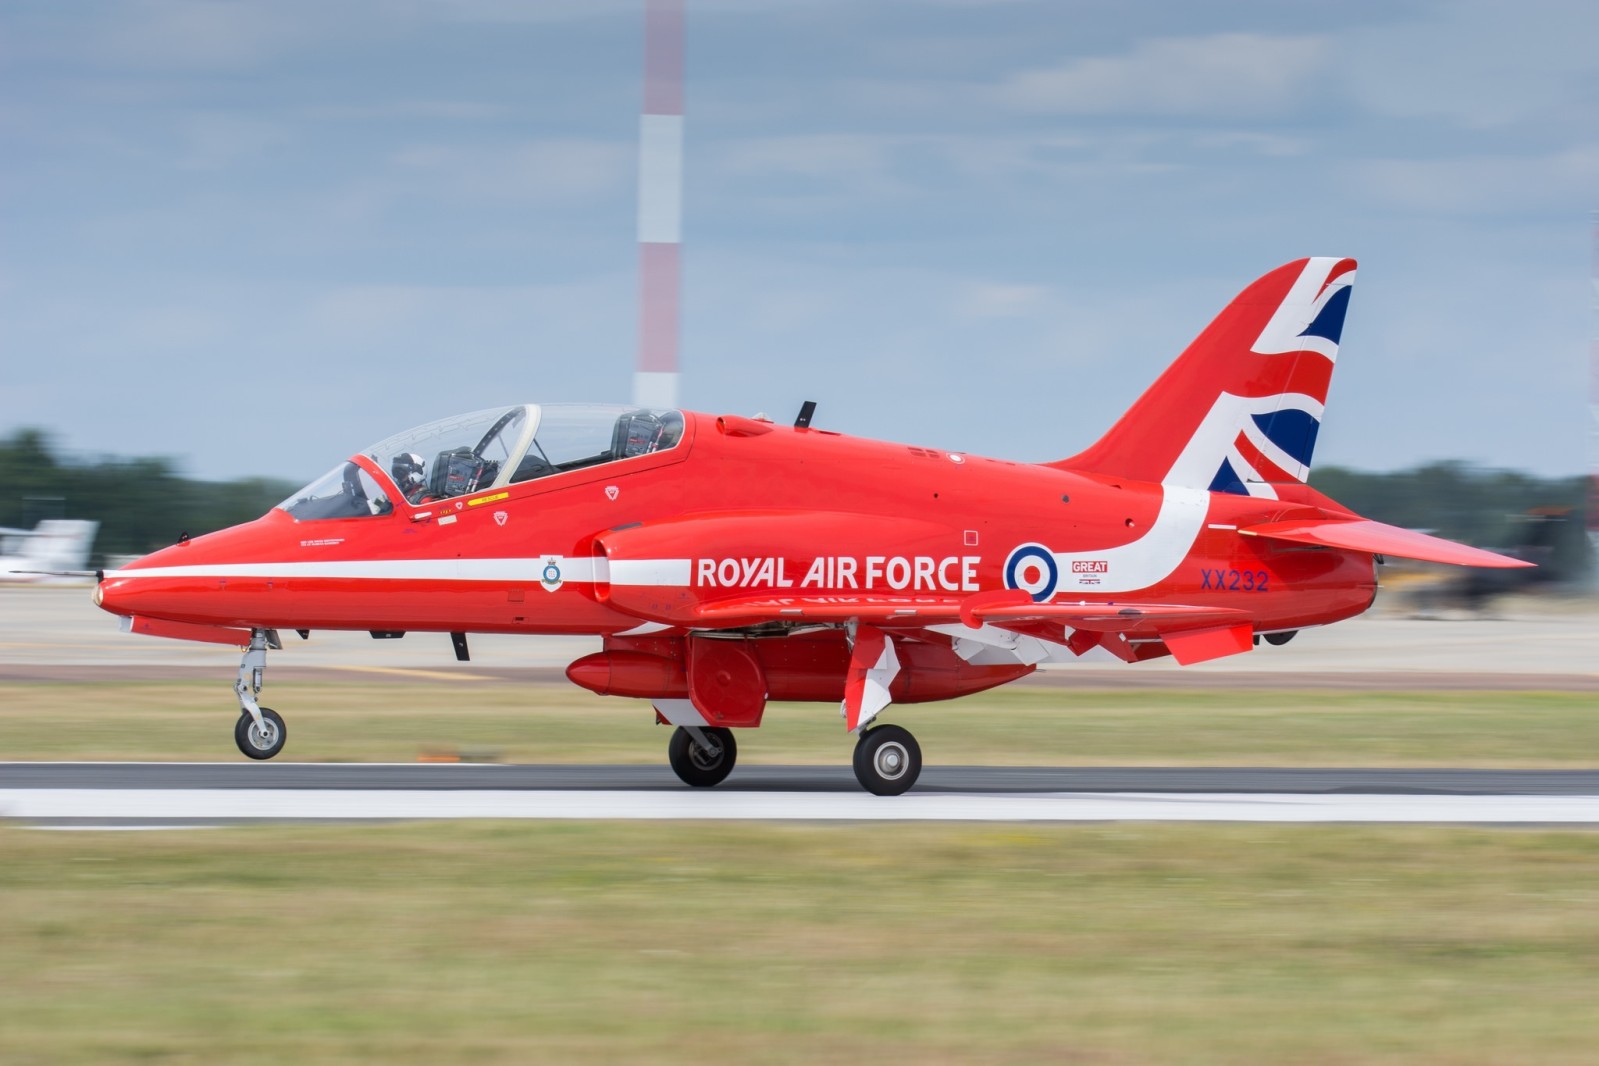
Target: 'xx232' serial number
[1233, 580]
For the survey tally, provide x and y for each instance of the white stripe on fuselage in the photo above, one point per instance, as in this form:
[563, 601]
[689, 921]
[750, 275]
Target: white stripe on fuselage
[1141, 563]
[376, 569]
[1146, 561]
[667, 572]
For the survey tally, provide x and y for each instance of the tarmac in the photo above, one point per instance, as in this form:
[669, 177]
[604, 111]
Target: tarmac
[56, 633]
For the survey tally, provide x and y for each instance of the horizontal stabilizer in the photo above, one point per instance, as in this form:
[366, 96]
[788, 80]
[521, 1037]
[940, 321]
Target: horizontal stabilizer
[1364, 535]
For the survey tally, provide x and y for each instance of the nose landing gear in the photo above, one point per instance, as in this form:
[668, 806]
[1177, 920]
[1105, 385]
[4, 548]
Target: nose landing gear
[260, 731]
[260, 741]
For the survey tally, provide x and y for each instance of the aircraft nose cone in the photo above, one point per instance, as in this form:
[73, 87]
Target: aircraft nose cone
[115, 595]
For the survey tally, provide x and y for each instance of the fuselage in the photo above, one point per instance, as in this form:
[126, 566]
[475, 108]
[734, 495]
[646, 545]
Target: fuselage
[741, 507]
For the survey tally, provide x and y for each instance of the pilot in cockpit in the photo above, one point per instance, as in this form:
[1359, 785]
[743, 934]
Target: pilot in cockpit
[409, 475]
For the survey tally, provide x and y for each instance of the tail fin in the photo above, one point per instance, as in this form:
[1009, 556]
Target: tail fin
[1240, 408]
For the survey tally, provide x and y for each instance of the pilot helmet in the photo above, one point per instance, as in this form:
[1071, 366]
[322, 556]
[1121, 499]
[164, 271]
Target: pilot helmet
[407, 471]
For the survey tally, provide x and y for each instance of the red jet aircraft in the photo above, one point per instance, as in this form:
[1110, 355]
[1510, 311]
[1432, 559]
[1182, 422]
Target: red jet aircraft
[728, 561]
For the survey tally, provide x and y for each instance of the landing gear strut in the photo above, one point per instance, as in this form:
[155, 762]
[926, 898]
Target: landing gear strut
[887, 760]
[260, 731]
[702, 756]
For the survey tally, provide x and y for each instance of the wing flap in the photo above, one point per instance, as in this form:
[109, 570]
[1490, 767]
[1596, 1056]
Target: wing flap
[1364, 535]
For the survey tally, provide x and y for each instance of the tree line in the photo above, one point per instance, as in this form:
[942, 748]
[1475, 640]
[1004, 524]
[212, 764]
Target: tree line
[141, 503]
[146, 503]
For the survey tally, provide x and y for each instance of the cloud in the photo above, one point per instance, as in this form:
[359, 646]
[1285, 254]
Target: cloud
[553, 169]
[991, 299]
[1479, 63]
[1481, 185]
[217, 140]
[1226, 74]
[840, 171]
[809, 155]
[199, 34]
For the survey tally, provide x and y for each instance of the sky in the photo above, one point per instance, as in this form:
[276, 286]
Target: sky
[255, 236]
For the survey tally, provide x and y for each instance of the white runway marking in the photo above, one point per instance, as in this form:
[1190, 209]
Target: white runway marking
[162, 805]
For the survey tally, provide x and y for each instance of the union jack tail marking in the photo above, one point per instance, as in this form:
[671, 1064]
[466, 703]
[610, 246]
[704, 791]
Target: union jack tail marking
[1240, 408]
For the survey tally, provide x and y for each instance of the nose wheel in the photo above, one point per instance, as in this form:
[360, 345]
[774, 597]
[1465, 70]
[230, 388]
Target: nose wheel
[887, 760]
[264, 740]
[260, 731]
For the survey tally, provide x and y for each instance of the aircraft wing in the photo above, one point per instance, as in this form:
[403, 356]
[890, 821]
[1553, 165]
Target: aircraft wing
[1003, 608]
[1364, 535]
[890, 611]
[1191, 633]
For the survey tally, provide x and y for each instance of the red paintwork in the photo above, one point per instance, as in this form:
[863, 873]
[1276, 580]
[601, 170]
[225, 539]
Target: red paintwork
[774, 480]
[779, 538]
[807, 668]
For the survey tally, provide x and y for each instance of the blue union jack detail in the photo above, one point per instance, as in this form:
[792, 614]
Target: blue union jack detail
[1293, 431]
[1268, 446]
[1240, 410]
[1271, 435]
[1329, 321]
[1310, 317]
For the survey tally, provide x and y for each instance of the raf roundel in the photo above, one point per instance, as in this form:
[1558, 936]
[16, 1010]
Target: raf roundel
[1031, 568]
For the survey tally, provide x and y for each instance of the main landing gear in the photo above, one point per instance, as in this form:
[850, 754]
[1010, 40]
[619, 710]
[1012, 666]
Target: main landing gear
[260, 731]
[887, 758]
[702, 756]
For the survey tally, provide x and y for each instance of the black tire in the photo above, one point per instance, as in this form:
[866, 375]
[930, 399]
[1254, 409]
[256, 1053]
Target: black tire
[887, 760]
[697, 767]
[250, 739]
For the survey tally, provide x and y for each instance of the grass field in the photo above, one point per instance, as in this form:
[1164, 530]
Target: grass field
[740, 943]
[391, 722]
[716, 944]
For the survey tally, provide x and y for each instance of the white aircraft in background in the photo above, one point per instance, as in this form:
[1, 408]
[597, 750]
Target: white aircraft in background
[53, 552]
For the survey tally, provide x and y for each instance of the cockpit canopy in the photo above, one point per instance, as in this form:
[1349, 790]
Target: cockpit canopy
[486, 449]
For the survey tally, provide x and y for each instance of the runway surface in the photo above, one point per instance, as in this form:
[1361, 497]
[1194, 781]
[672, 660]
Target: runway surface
[161, 795]
[54, 635]
[57, 634]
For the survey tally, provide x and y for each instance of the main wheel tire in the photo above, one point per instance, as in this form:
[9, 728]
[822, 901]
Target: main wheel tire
[259, 743]
[887, 760]
[695, 765]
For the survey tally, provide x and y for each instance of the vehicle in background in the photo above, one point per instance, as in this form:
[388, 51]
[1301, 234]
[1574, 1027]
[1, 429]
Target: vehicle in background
[54, 552]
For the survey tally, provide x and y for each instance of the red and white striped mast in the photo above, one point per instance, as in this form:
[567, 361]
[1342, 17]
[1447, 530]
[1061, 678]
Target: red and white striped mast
[1593, 407]
[660, 204]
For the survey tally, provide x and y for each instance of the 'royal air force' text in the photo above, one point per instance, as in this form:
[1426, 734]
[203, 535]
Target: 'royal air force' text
[921, 573]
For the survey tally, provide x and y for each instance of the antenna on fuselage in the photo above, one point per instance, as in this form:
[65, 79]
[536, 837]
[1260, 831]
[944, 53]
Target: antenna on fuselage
[660, 204]
[807, 409]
